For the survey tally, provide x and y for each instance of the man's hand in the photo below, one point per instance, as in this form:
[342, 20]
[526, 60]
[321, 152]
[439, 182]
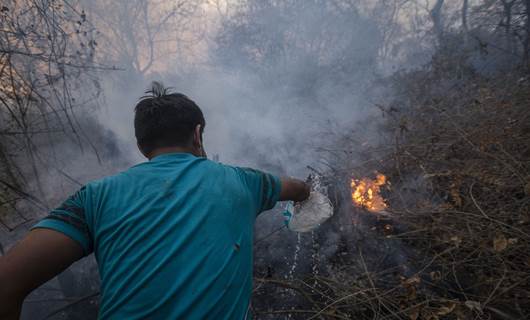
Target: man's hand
[294, 189]
[40, 256]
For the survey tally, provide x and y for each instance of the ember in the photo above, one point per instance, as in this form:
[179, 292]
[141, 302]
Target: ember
[366, 193]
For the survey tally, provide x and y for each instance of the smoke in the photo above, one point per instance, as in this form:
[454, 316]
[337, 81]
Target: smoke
[278, 78]
[281, 82]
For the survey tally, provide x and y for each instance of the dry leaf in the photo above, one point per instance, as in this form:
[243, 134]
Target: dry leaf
[447, 309]
[500, 243]
[413, 280]
[456, 239]
[410, 285]
[411, 293]
[455, 192]
[414, 313]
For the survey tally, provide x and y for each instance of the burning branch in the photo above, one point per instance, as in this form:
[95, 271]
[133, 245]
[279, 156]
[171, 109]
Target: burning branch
[366, 193]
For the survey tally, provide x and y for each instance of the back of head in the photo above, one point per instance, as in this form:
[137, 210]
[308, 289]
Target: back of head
[164, 119]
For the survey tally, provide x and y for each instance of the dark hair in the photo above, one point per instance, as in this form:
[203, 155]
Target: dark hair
[165, 119]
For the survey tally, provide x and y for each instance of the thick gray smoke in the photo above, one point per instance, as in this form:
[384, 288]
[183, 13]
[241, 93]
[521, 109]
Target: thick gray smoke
[282, 79]
[282, 82]
[278, 79]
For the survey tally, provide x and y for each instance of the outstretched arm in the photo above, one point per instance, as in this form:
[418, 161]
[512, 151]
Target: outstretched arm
[294, 189]
[40, 256]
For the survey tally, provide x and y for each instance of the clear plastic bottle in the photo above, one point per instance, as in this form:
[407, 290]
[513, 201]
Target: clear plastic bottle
[309, 214]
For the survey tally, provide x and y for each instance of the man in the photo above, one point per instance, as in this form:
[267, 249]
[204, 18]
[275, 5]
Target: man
[172, 236]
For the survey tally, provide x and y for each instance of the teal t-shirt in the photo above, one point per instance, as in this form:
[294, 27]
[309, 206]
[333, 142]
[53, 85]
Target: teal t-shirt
[172, 236]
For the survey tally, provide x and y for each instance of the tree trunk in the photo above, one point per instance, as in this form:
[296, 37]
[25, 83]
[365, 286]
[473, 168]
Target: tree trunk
[436, 16]
[465, 7]
[526, 48]
[507, 7]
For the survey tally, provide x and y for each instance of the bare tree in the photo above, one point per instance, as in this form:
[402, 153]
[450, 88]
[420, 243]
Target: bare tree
[437, 19]
[507, 11]
[526, 48]
[138, 34]
[46, 54]
[299, 44]
[465, 27]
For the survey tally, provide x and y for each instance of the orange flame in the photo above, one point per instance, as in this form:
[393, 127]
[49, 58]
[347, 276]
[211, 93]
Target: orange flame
[366, 193]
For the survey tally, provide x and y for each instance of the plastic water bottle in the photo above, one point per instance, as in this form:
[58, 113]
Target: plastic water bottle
[310, 213]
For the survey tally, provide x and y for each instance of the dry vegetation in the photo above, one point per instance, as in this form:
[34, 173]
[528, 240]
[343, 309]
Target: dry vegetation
[470, 143]
[457, 154]
[46, 56]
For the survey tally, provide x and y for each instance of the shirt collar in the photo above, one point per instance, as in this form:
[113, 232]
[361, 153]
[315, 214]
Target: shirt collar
[171, 155]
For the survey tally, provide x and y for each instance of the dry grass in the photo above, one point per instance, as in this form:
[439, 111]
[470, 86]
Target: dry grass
[457, 154]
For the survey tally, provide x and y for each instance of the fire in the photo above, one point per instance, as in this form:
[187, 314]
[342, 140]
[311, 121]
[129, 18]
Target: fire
[366, 193]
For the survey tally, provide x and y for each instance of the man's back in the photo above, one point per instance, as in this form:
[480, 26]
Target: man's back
[172, 236]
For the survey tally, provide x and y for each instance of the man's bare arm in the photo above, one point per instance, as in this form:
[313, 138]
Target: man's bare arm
[40, 256]
[294, 189]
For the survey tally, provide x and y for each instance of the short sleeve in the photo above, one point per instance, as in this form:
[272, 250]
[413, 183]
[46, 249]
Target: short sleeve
[70, 219]
[264, 187]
